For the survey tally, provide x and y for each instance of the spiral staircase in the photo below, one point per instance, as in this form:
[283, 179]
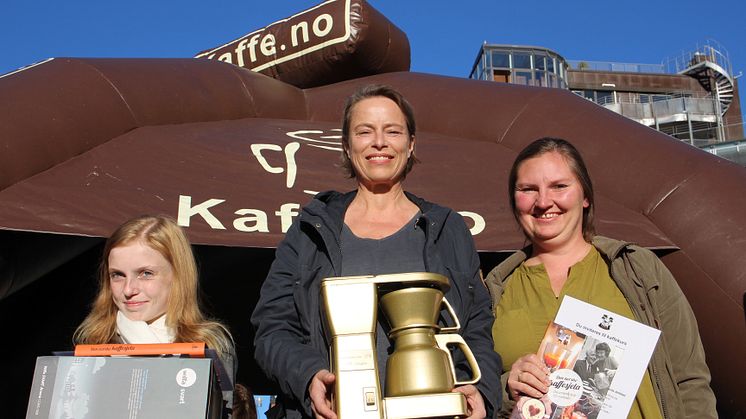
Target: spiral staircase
[710, 65]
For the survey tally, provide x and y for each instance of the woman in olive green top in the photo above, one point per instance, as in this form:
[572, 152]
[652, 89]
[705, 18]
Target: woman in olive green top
[551, 196]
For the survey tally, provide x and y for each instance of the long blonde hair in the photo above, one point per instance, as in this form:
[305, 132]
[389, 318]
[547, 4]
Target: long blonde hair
[183, 313]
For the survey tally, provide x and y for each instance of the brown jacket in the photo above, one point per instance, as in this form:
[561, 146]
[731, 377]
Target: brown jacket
[681, 378]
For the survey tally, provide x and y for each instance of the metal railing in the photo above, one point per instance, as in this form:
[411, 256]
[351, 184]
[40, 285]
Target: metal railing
[616, 67]
[657, 97]
[734, 151]
[711, 50]
[667, 110]
[705, 137]
[688, 117]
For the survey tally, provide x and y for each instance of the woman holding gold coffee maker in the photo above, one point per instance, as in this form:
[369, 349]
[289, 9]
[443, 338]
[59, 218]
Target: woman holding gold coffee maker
[376, 229]
[551, 195]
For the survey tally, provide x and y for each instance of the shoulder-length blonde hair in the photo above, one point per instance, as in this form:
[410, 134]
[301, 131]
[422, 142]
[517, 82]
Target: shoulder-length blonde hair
[183, 313]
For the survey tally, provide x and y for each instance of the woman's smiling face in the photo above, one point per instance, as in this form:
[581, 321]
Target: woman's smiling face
[549, 200]
[380, 143]
[140, 279]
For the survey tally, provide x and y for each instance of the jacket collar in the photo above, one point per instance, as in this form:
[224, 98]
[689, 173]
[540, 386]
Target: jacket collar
[433, 217]
[610, 249]
[504, 269]
[330, 206]
[613, 250]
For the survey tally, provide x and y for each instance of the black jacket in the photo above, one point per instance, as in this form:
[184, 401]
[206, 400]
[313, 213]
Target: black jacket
[290, 343]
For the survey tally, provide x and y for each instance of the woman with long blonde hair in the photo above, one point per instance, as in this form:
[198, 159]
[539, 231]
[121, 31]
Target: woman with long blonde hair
[148, 292]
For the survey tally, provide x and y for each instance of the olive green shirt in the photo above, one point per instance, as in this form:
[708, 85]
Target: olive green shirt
[528, 305]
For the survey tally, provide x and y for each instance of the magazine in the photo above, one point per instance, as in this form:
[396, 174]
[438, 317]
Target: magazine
[596, 360]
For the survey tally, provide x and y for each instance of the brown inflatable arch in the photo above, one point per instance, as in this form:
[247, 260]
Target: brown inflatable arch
[233, 154]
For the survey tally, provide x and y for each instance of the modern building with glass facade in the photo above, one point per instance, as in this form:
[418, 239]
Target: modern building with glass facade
[693, 97]
[530, 66]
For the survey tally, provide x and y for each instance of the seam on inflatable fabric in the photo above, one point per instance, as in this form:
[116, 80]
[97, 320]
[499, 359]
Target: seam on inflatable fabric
[520, 112]
[682, 250]
[709, 277]
[510, 125]
[116, 89]
[387, 54]
[235, 71]
[666, 195]
[30, 66]
[306, 110]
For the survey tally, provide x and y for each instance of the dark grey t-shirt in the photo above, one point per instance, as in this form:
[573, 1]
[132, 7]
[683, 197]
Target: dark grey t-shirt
[397, 253]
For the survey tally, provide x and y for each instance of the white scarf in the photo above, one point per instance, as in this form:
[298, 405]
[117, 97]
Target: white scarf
[137, 331]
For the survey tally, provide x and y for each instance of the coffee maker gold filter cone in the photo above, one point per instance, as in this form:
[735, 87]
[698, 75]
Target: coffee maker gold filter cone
[412, 307]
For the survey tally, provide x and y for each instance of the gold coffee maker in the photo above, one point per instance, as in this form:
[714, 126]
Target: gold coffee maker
[419, 373]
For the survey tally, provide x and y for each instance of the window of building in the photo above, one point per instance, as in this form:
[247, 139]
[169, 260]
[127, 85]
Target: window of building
[586, 94]
[541, 78]
[552, 82]
[477, 74]
[522, 77]
[540, 62]
[500, 59]
[604, 97]
[627, 97]
[501, 76]
[529, 66]
[521, 60]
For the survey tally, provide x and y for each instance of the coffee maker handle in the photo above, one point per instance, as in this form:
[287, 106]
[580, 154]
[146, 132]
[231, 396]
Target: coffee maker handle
[451, 338]
[450, 329]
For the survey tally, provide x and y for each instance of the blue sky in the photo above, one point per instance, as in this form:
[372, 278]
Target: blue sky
[444, 35]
